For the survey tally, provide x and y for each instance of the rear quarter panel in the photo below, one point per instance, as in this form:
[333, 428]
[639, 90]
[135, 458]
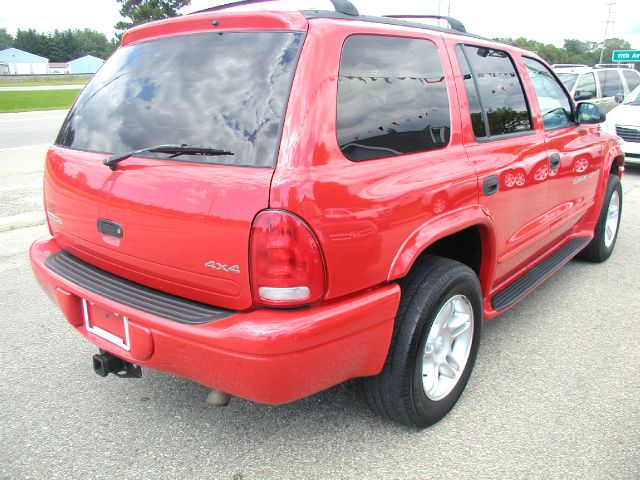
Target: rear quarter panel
[362, 212]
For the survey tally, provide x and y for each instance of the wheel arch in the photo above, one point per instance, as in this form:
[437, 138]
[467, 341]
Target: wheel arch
[444, 236]
[617, 165]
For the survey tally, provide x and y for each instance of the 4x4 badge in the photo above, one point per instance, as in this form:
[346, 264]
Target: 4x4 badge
[221, 266]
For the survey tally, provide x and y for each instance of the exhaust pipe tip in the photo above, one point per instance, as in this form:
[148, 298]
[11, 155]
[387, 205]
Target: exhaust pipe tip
[218, 398]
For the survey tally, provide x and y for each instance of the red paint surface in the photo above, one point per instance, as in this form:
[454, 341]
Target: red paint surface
[372, 220]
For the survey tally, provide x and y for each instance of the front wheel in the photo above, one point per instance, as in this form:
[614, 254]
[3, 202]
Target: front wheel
[434, 344]
[606, 231]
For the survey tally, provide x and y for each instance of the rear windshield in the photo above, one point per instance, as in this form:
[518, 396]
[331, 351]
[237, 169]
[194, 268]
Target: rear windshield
[569, 79]
[221, 90]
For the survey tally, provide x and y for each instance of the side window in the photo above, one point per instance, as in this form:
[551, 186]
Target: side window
[554, 103]
[475, 108]
[632, 77]
[392, 98]
[610, 83]
[504, 107]
[586, 88]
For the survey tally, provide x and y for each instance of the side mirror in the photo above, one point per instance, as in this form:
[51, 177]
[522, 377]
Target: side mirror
[590, 113]
[619, 98]
[583, 95]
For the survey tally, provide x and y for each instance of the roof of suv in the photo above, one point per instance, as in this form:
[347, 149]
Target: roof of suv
[575, 68]
[570, 68]
[345, 10]
[284, 19]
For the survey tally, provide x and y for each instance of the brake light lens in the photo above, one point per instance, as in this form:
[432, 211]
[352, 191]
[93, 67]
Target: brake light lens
[286, 263]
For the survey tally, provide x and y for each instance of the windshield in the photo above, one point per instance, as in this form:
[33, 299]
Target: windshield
[633, 98]
[222, 90]
[568, 79]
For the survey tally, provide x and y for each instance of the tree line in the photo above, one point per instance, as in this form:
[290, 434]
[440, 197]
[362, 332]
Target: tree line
[59, 46]
[573, 51]
[65, 45]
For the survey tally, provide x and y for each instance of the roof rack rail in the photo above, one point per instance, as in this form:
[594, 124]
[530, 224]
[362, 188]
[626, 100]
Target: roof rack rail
[341, 6]
[453, 23]
[569, 65]
[614, 65]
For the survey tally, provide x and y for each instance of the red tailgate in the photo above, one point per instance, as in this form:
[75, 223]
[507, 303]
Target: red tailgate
[185, 227]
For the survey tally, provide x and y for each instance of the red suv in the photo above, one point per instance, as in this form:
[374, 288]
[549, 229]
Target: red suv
[272, 203]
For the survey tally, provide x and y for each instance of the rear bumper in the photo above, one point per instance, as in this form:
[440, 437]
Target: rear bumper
[269, 356]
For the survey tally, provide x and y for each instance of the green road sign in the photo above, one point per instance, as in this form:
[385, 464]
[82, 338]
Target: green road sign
[626, 56]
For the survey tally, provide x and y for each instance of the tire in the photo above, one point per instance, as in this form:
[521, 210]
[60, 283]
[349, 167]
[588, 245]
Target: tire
[401, 392]
[604, 239]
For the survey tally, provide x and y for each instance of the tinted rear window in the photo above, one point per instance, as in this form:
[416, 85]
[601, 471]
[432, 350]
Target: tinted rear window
[392, 98]
[569, 79]
[223, 90]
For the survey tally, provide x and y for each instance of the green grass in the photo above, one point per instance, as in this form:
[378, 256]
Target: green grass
[36, 100]
[39, 81]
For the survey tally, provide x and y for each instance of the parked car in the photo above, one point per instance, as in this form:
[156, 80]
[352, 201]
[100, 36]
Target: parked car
[624, 121]
[272, 203]
[605, 84]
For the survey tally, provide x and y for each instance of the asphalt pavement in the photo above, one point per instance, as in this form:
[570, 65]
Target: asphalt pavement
[24, 139]
[555, 394]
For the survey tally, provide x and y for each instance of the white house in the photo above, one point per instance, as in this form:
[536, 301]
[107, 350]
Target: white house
[86, 64]
[24, 63]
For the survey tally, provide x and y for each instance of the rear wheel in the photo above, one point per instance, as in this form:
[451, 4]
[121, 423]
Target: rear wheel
[434, 344]
[606, 231]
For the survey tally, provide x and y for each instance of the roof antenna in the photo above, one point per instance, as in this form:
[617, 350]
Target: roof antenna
[346, 7]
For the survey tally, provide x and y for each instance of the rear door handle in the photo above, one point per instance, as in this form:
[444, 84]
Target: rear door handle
[554, 161]
[490, 185]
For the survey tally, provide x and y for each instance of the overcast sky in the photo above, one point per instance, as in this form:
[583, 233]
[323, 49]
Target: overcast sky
[548, 21]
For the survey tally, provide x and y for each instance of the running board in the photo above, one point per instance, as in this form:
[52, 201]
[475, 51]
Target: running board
[530, 280]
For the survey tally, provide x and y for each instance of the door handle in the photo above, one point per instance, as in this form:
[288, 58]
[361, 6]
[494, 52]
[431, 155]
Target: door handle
[490, 185]
[554, 161]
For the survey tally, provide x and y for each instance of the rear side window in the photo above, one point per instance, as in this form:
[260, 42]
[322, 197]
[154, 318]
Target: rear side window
[225, 90]
[610, 83]
[392, 98]
[632, 77]
[504, 107]
[554, 103]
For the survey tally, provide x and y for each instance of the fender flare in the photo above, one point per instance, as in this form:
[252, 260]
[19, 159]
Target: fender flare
[443, 226]
[612, 151]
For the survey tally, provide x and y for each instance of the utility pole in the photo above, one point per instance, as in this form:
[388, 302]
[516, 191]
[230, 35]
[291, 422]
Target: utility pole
[440, 9]
[611, 22]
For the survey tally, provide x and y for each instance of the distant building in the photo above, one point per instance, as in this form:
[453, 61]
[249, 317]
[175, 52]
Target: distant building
[4, 68]
[58, 67]
[86, 64]
[24, 63]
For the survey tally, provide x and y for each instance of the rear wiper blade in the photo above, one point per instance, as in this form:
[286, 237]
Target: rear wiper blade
[173, 150]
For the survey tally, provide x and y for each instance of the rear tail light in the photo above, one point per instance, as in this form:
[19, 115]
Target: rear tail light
[286, 263]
